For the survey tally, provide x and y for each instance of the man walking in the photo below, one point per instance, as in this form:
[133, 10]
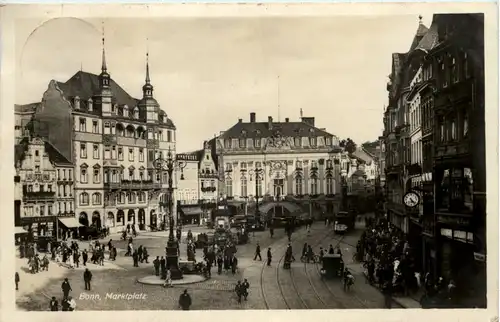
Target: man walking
[16, 279]
[246, 286]
[87, 277]
[66, 288]
[257, 252]
[156, 264]
[185, 301]
[269, 256]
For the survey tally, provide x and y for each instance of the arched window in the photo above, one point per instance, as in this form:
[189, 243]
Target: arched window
[121, 197]
[96, 198]
[84, 198]
[244, 191]
[314, 186]
[298, 185]
[330, 185]
[84, 175]
[142, 197]
[131, 197]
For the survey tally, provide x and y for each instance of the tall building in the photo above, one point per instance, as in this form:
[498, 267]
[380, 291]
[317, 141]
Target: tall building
[435, 145]
[188, 194]
[294, 159]
[45, 201]
[112, 139]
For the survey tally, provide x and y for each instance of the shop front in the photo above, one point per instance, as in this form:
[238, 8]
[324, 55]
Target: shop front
[191, 215]
[67, 227]
[41, 230]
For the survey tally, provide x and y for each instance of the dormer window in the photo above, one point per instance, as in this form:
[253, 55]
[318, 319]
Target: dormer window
[328, 141]
[227, 143]
[312, 141]
[298, 141]
[120, 110]
[243, 132]
[257, 142]
[257, 131]
[160, 118]
[242, 143]
[136, 113]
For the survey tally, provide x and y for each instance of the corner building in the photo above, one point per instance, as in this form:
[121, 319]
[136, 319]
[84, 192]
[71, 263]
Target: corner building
[112, 139]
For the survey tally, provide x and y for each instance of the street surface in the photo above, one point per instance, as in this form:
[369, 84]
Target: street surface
[270, 287]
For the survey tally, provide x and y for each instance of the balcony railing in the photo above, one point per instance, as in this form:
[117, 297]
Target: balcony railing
[39, 195]
[208, 189]
[132, 185]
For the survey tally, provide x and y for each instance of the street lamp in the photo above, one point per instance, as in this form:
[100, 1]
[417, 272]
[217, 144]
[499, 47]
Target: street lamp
[168, 165]
[258, 173]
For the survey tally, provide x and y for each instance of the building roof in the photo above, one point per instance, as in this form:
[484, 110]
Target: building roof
[54, 155]
[419, 34]
[261, 130]
[85, 85]
[430, 40]
[363, 155]
[26, 108]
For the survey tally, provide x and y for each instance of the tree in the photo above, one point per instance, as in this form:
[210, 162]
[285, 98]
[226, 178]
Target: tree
[349, 145]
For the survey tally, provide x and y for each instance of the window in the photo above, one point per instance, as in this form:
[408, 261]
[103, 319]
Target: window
[83, 125]
[314, 164]
[444, 76]
[121, 198]
[120, 153]
[314, 186]
[243, 165]
[257, 142]
[330, 188]
[298, 185]
[84, 199]
[229, 167]
[37, 168]
[466, 65]
[83, 150]
[141, 175]
[141, 155]
[113, 152]
[312, 141]
[454, 73]
[298, 164]
[169, 136]
[49, 188]
[441, 130]
[242, 143]
[36, 153]
[95, 128]
[131, 154]
[107, 128]
[96, 198]
[466, 124]
[297, 141]
[131, 197]
[141, 196]
[329, 164]
[96, 151]
[229, 187]
[453, 130]
[328, 141]
[97, 176]
[227, 143]
[83, 175]
[107, 153]
[244, 191]
[131, 174]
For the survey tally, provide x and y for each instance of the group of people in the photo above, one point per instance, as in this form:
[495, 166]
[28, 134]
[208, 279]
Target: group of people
[223, 256]
[389, 261]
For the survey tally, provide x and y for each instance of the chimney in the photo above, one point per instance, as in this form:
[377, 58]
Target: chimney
[308, 120]
[270, 122]
[252, 117]
[287, 120]
[240, 120]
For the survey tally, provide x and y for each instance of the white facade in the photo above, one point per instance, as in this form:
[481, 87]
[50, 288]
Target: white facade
[208, 176]
[187, 185]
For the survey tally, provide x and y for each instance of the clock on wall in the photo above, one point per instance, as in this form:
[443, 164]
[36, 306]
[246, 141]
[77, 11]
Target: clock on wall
[411, 199]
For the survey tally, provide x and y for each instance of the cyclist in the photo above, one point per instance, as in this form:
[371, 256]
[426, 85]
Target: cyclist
[348, 279]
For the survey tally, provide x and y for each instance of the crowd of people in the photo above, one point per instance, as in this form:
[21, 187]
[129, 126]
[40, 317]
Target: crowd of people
[389, 262]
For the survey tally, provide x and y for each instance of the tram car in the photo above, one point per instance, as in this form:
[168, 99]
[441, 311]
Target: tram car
[344, 222]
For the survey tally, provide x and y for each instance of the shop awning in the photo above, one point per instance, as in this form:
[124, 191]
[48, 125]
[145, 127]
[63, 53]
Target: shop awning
[191, 210]
[70, 222]
[19, 230]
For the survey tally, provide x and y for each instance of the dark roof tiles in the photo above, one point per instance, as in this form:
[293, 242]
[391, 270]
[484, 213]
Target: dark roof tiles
[54, 155]
[261, 130]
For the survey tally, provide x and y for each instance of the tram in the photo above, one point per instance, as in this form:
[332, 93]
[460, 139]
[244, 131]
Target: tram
[344, 222]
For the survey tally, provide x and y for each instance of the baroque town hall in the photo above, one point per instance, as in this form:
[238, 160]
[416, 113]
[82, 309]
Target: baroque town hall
[111, 139]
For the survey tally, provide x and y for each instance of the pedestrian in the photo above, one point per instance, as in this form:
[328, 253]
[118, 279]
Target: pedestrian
[168, 279]
[239, 291]
[257, 252]
[234, 265]
[85, 257]
[145, 255]
[135, 258]
[110, 245]
[87, 277]
[76, 258]
[246, 287]
[54, 305]
[66, 288]
[331, 251]
[16, 279]
[269, 256]
[72, 304]
[139, 253]
[271, 231]
[219, 264]
[65, 305]
[185, 301]
[156, 265]
[163, 271]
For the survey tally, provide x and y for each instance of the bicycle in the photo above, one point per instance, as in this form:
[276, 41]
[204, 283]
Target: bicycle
[314, 259]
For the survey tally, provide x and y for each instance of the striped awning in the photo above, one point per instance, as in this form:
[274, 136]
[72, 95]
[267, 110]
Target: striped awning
[189, 211]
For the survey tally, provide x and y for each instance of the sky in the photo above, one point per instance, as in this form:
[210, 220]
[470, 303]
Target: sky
[209, 72]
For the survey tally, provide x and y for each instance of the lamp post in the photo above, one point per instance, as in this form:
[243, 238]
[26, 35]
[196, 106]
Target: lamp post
[168, 165]
[258, 173]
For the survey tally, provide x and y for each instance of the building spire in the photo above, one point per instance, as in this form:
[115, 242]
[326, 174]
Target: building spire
[148, 80]
[104, 68]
